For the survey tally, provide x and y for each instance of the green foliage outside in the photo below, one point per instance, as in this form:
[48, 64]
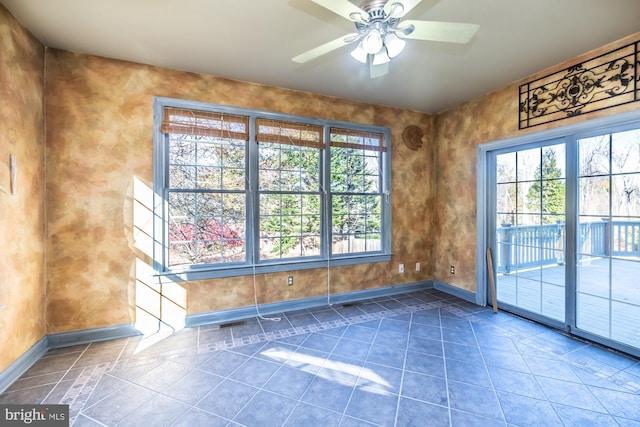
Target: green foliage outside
[548, 190]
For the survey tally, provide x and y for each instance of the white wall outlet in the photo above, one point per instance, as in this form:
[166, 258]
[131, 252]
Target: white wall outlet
[417, 266]
[401, 268]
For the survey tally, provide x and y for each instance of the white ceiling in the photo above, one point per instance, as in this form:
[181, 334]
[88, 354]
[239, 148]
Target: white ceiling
[254, 40]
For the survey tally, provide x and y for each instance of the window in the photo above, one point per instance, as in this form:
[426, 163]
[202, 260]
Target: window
[243, 190]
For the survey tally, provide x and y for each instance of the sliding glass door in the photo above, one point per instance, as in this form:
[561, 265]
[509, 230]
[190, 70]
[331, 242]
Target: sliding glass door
[530, 230]
[608, 250]
[563, 225]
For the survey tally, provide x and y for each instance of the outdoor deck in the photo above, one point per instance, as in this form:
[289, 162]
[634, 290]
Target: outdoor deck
[610, 311]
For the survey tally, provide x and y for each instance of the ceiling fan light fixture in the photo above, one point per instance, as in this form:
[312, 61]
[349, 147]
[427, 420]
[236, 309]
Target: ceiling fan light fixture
[381, 57]
[372, 42]
[359, 54]
[394, 45]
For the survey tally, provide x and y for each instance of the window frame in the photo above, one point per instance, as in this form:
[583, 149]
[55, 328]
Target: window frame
[249, 266]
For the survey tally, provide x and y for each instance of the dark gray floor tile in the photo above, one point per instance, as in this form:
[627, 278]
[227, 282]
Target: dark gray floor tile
[290, 382]
[472, 373]
[391, 304]
[625, 405]
[251, 327]
[425, 364]
[505, 359]
[381, 378]
[336, 332]
[391, 339]
[425, 388]
[348, 421]
[425, 345]
[275, 325]
[515, 382]
[33, 395]
[594, 355]
[294, 340]
[134, 370]
[39, 380]
[465, 419]
[106, 386]
[82, 421]
[199, 418]
[327, 394]
[261, 410]
[163, 376]
[302, 320]
[119, 405]
[371, 307]
[494, 340]
[58, 392]
[373, 324]
[275, 351]
[426, 331]
[316, 341]
[214, 335]
[395, 325]
[326, 315]
[465, 353]
[97, 356]
[352, 349]
[348, 311]
[309, 415]
[525, 411]
[451, 321]
[48, 365]
[474, 399]
[574, 417]
[341, 370]
[254, 372]
[223, 363]
[550, 368]
[248, 349]
[161, 411]
[459, 336]
[227, 399]
[193, 386]
[428, 318]
[387, 356]
[360, 333]
[569, 394]
[374, 407]
[414, 413]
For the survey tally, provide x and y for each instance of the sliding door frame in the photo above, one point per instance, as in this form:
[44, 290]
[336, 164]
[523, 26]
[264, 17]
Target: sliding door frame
[486, 190]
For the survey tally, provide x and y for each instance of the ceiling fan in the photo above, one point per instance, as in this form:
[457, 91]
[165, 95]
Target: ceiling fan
[380, 31]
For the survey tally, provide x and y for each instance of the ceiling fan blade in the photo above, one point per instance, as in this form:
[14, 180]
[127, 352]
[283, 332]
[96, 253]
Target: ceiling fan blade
[439, 31]
[407, 5]
[343, 8]
[325, 48]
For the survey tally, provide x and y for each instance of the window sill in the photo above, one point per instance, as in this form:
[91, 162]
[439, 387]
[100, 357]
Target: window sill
[246, 270]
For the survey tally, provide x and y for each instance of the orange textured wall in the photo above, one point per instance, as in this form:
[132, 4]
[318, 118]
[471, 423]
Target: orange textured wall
[99, 175]
[22, 215]
[458, 132]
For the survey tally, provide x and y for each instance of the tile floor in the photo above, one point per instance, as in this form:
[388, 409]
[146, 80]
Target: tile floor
[419, 359]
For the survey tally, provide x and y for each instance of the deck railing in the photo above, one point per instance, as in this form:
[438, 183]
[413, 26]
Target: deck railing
[535, 245]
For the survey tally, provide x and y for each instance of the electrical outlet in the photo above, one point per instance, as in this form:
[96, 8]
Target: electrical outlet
[290, 281]
[452, 270]
[417, 266]
[401, 268]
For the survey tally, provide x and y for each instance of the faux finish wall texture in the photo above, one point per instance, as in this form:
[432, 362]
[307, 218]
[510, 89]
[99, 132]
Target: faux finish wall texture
[22, 220]
[458, 132]
[99, 180]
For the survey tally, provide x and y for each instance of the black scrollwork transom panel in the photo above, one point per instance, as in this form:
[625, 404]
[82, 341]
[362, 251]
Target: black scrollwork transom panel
[605, 81]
